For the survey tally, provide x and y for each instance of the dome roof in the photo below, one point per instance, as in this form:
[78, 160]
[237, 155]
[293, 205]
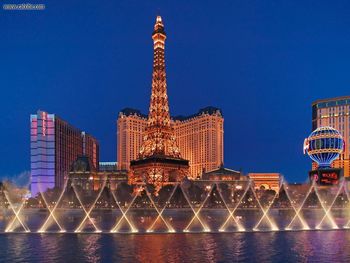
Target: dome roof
[82, 164]
[325, 131]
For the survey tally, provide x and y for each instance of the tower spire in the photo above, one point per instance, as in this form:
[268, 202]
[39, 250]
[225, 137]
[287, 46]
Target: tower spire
[159, 106]
[159, 161]
[159, 136]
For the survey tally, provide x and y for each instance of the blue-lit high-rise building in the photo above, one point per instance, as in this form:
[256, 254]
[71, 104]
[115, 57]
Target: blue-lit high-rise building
[55, 144]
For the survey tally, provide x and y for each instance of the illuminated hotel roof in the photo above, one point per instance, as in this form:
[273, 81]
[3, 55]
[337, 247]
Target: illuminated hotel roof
[333, 102]
[207, 110]
[130, 112]
[222, 171]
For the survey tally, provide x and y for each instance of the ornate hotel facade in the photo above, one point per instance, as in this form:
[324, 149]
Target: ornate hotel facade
[130, 127]
[334, 112]
[200, 138]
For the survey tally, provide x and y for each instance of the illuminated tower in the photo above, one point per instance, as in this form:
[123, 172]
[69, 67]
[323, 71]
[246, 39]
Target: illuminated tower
[159, 158]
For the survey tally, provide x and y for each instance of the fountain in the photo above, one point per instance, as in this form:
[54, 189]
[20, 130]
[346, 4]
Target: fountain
[191, 206]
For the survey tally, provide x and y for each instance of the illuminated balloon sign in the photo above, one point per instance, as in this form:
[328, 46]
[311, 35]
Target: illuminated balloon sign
[324, 145]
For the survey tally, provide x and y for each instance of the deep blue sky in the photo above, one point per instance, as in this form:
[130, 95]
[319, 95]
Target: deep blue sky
[262, 62]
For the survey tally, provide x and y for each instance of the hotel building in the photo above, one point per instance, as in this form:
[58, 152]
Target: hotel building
[200, 138]
[55, 145]
[334, 112]
[131, 124]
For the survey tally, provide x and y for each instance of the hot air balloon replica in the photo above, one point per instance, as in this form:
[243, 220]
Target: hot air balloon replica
[323, 146]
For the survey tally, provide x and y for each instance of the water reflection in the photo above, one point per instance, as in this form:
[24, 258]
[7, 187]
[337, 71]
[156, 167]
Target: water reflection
[48, 245]
[17, 245]
[90, 246]
[314, 246]
[300, 245]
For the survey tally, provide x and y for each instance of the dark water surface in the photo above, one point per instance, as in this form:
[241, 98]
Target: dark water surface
[303, 246]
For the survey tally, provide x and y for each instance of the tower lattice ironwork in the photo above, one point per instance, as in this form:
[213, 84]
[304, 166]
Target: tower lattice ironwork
[159, 160]
[159, 136]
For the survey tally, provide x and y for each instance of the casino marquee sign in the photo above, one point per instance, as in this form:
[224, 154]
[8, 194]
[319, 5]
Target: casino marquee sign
[326, 176]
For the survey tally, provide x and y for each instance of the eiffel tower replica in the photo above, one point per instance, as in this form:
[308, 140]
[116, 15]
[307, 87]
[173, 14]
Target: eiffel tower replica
[159, 161]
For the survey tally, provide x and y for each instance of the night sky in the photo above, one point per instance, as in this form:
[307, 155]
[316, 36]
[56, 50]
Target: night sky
[262, 62]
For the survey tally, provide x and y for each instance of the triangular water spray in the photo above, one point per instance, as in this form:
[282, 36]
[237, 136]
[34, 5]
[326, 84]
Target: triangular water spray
[297, 214]
[231, 212]
[116, 228]
[16, 217]
[327, 213]
[88, 212]
[44, 227]
[298, 211]
[170, 228]
[196, 213]
[273, 226]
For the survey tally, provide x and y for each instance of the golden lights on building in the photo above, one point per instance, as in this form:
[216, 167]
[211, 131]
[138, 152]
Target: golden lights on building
[197, 138]
[130, 127]
[159, 159]
[334, 112]
[157, 146]
[200, 138]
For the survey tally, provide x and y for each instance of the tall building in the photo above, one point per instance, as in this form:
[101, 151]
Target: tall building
[334, 112]
[200, 138]
[159, 160]
[55, 144]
